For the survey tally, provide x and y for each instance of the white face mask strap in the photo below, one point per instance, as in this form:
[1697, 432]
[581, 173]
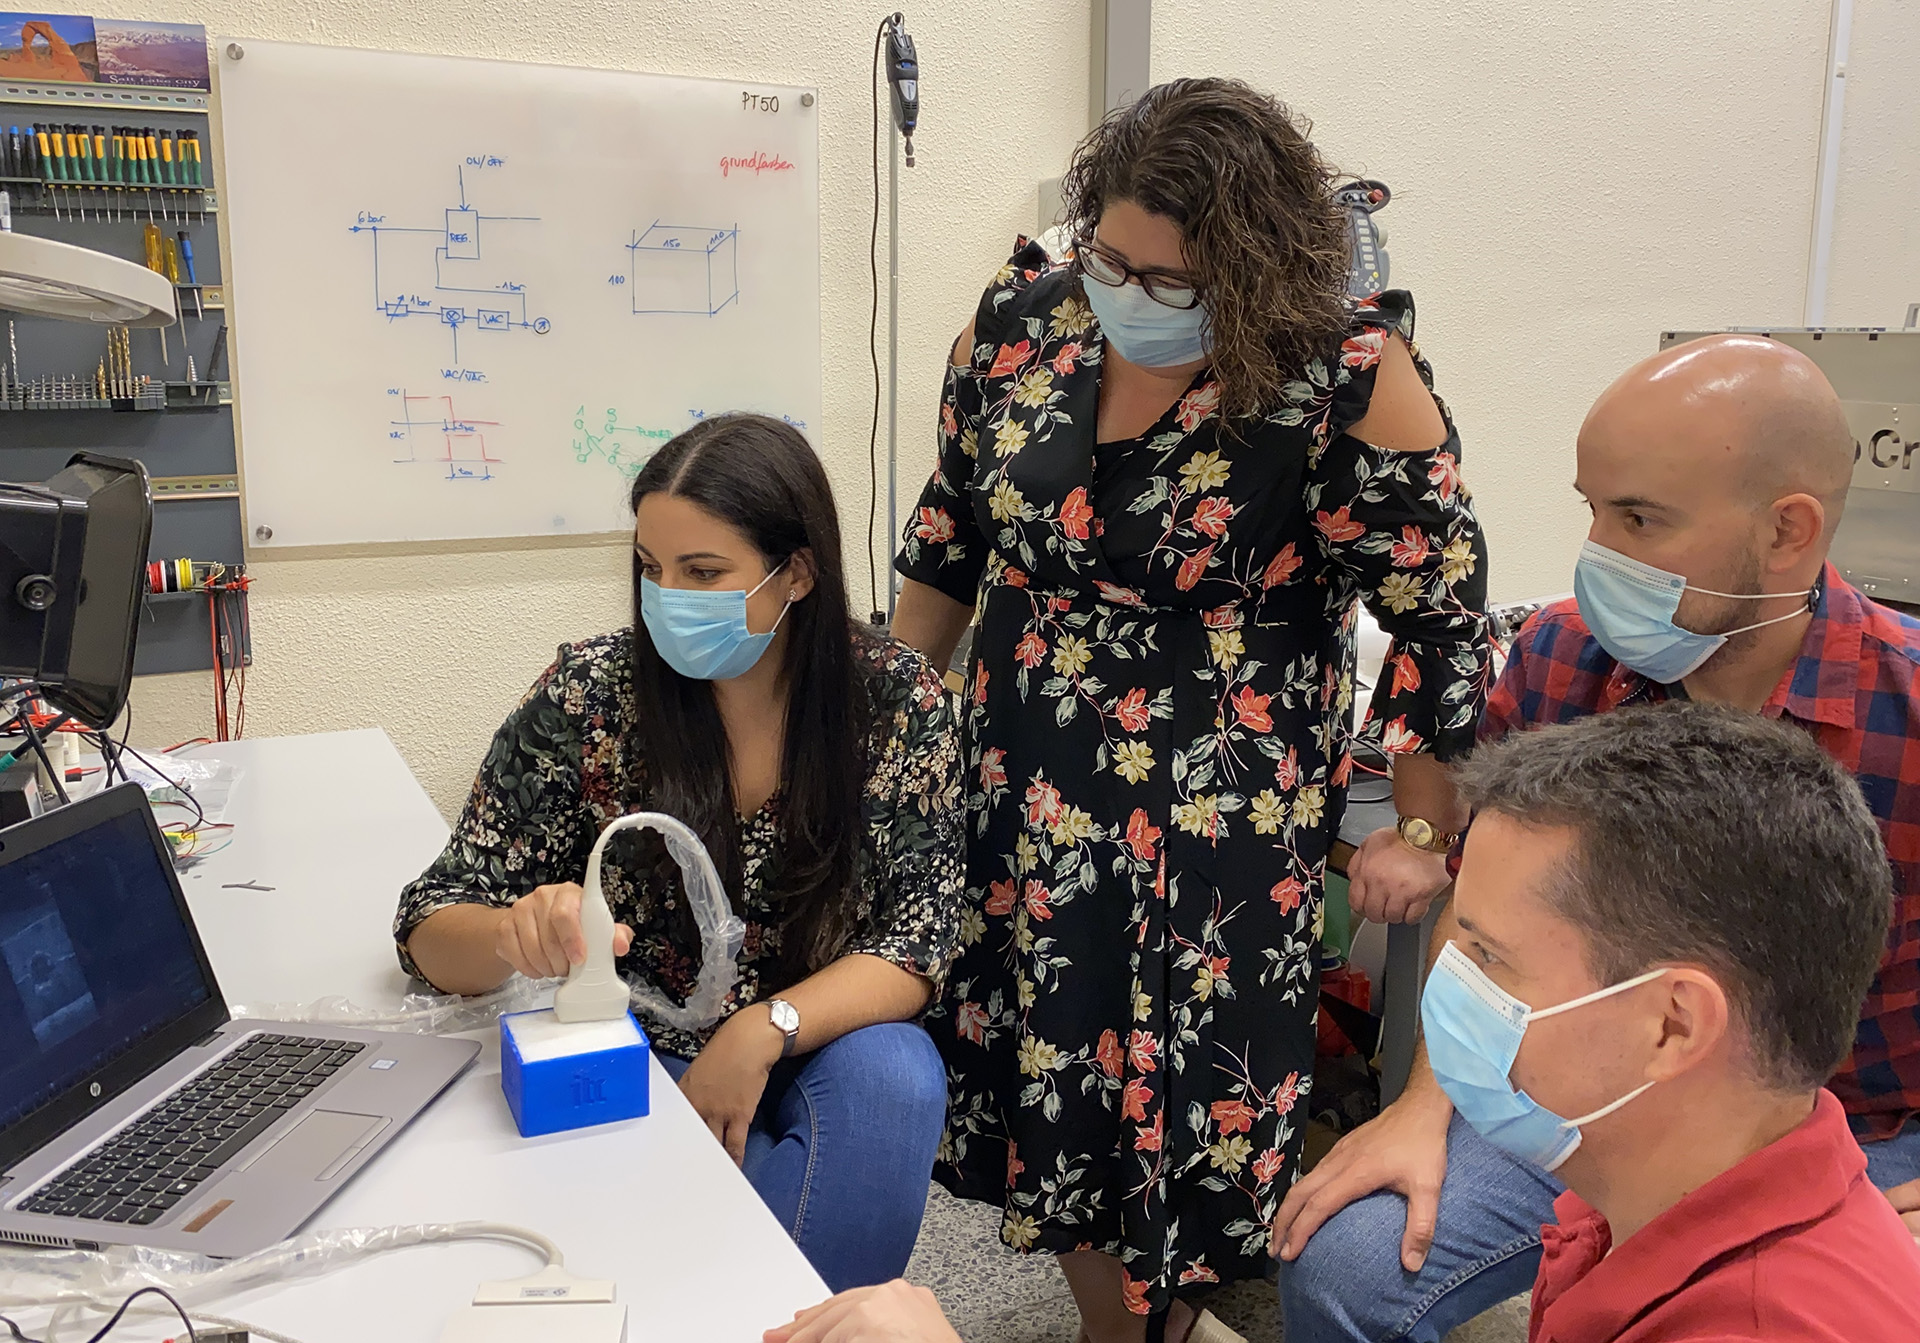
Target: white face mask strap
[754, 590]
[1748, 629]
[1806, 597]
[1598, 994]
[1606, 1110]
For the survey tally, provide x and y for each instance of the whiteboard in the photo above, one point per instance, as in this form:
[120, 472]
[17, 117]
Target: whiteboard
[470, 298]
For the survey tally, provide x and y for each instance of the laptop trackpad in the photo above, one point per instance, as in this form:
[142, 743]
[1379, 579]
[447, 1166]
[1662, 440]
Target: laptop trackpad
[318, 1146]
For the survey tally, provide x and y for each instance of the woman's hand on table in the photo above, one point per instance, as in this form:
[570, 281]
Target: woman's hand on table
[727, 1078]
[894, 1312]
[539, 934]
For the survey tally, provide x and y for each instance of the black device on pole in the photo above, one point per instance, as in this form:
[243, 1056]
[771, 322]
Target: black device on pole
[903, 79]
[73, 555]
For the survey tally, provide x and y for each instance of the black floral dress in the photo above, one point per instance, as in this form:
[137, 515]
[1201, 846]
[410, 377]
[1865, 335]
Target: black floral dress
[1157, 727]
[561, 768]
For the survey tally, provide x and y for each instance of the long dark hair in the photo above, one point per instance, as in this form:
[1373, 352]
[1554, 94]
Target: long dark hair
[761, 477]
[1267, 244]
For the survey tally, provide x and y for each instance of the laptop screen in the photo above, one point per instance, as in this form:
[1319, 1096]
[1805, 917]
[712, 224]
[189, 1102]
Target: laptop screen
[95, 957]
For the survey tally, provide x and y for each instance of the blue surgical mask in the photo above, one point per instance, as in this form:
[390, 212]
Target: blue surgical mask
[1473, 1031]
[704, 635]
[1144, 332]
[1629, 608]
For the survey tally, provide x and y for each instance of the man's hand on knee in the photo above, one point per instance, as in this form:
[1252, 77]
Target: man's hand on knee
[1906, 1201]
[1404, 1150]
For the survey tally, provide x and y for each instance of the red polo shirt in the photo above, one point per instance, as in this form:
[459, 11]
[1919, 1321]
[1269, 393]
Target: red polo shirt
[1792, 1246]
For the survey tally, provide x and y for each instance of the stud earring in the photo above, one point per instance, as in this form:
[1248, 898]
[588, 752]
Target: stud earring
[793, 595]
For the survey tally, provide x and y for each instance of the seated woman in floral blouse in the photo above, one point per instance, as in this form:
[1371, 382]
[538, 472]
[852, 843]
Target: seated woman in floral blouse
[819, 764]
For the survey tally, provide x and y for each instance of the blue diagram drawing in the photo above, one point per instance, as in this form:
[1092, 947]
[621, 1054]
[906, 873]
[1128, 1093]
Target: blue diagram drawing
[680, 269]
[449, 440]
[443, 274]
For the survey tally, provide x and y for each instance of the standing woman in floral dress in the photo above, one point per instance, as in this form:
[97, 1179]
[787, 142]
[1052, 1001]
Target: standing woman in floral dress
[1168, 468]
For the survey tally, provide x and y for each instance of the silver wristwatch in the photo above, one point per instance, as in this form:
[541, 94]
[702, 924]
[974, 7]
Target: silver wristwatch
[786, 1019]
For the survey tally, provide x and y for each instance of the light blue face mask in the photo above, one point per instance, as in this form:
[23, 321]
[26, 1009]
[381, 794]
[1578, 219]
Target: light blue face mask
[1473, 1030]
[704, 635]
[1629, 607]
[1144, 332]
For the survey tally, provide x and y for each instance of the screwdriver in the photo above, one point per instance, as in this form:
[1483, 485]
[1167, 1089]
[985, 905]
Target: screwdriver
[156, 261]
[81, 145]
[186, 260]
[70, 159]
[143, 168]
[49, 168]
[152, 149]
[190, 163]
[34, 160]
[102, 165]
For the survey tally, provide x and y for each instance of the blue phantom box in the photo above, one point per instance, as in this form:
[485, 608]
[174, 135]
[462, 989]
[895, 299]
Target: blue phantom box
[558, 1076]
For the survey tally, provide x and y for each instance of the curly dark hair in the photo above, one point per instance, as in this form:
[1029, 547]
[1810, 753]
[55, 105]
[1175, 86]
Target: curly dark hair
[1266, 243]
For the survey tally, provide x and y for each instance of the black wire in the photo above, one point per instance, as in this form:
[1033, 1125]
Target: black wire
[126, 731]
[14, 1329]
[873, 336]
[180, 1310]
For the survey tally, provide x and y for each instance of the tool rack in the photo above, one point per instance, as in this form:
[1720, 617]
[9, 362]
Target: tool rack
[182, 428]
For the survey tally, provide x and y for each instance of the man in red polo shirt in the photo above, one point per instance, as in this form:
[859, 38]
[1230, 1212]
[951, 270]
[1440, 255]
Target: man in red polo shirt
[1665, 920]
[1716, 472]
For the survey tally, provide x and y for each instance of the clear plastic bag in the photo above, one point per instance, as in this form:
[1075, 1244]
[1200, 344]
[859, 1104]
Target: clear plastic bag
[418, 1013]
[171, 777]
[721, 933]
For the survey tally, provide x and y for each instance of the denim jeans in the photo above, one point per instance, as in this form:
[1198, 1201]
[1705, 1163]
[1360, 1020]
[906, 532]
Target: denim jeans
[842, 1148]
[1348, 1282]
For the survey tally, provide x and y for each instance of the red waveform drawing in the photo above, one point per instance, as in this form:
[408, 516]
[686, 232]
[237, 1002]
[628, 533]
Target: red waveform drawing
[449, 439]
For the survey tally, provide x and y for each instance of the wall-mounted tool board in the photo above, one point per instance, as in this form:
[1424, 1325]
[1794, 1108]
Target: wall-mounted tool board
[478, 294]
[47, 409]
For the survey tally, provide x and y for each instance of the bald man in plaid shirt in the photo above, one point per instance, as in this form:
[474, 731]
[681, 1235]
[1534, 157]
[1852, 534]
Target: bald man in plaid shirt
[1716, 473]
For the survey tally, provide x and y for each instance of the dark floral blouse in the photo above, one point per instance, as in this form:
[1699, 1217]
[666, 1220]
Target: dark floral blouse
[1159, 733]
[561, 768]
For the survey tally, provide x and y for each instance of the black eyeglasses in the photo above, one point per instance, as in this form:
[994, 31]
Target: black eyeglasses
[1102, 267]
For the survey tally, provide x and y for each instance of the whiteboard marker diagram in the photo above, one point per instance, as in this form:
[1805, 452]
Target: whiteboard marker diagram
[443, 274]
[677, 269]
[459, 445]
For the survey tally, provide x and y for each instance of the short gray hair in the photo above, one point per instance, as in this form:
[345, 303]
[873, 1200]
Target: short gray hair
[1712, 837]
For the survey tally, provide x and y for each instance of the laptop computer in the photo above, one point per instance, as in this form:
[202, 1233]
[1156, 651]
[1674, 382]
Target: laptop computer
[133, 1109]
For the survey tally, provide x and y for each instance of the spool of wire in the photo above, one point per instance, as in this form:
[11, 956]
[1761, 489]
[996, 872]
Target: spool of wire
[183, 575]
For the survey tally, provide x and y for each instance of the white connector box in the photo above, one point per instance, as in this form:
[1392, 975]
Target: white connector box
[551, 1322]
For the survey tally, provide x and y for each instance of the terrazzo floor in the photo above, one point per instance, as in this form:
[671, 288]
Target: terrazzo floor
[994, 1296]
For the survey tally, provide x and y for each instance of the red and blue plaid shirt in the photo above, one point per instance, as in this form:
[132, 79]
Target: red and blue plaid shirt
[1856, 688]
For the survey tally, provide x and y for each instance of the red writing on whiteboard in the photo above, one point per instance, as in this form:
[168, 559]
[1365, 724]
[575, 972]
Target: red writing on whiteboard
[756, 163]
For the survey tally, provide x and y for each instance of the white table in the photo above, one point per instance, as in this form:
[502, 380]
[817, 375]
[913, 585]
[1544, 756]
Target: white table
[336, 824]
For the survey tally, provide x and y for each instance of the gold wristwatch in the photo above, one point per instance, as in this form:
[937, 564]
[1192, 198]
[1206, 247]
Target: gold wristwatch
[1421, 834]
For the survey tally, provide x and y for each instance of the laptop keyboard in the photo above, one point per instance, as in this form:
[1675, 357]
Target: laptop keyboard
[143, 1170]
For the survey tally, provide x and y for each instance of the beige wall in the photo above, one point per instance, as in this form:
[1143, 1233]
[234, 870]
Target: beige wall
[436, 649]
[1569, 180]
[1876, 233]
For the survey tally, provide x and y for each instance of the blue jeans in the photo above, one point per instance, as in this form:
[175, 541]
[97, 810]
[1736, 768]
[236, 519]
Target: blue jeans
[842, 1148]
[1348, 1282]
